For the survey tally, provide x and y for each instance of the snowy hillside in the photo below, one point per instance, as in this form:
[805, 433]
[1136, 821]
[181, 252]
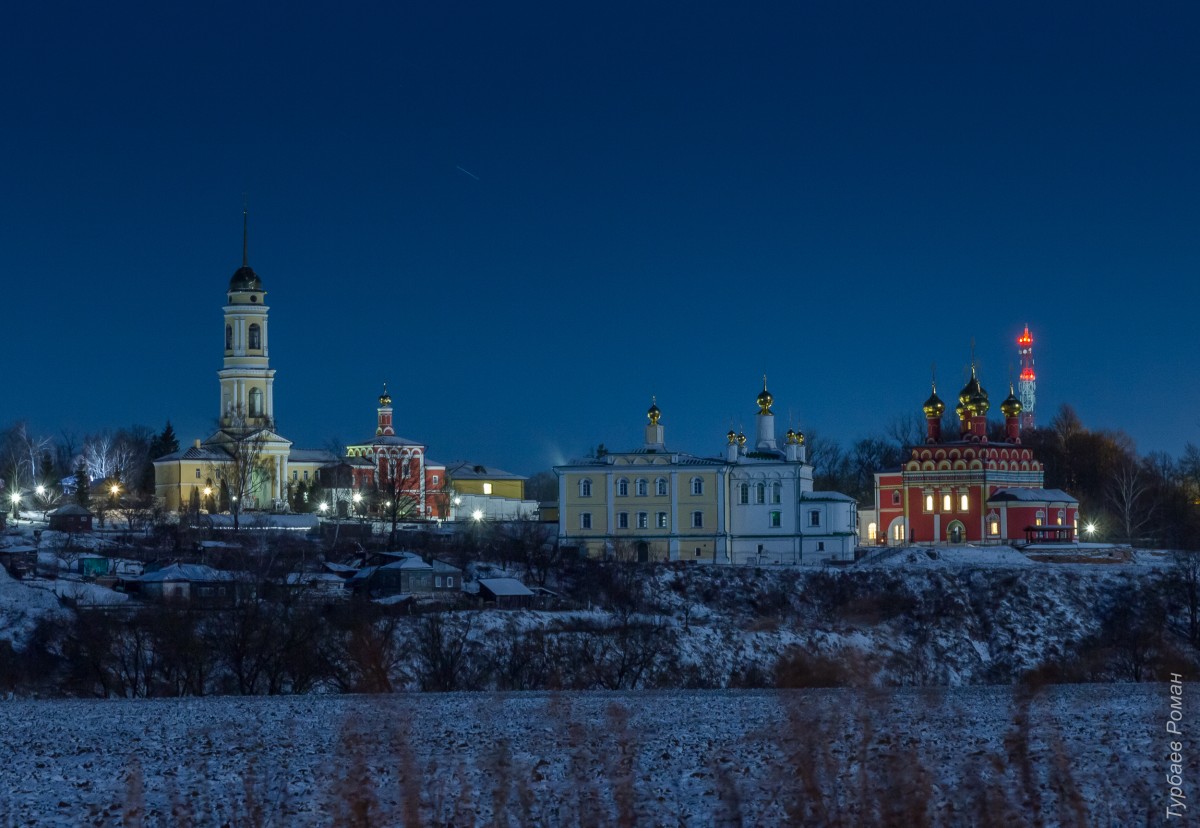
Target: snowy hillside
[1091, 754]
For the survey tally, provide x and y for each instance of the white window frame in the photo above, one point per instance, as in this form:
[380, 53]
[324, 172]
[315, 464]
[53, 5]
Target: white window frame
[585, 520]
[698, 519]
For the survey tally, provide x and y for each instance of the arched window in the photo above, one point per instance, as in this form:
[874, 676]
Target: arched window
[776, 492]
[895, 498]
[255, 337]
[744, 493]
[697, 486]
[1062, 515]
[660, 487]
[643, 488]
[256, 402]
[760, 493]
[228, 337]
[1040, 518]
[585, 490]
[622, 488]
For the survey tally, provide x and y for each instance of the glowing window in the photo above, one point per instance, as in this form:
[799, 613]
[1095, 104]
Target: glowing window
[964, 503]
[1039, 519]
[929, 503]
[487, 487]
[946, 507]
[661, 520]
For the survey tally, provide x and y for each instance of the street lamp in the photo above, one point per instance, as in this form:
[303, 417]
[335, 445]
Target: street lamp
[323, 507]
[477, 515]
[15, 497]
[41, 490]
[1091, 530]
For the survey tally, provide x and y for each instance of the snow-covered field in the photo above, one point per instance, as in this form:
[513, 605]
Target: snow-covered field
[677, 758]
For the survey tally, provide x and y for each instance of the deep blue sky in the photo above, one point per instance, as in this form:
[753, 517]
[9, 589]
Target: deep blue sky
[662, 202]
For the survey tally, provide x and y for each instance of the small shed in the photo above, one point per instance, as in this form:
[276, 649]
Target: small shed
[505, 592]
[71, 518]
[94, 566]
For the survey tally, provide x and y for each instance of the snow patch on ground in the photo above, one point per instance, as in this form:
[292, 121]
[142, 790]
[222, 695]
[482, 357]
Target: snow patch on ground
[671, 757]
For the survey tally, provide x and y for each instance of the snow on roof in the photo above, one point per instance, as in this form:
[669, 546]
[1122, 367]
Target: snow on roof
[462, 470]
[341, 569]
[312, 456]
[504, 586]
[71, 509]
[186, 572]
[834, 496]
[1032, 496]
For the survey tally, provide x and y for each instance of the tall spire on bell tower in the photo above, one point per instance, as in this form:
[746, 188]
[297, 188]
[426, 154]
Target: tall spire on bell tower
[247, 379]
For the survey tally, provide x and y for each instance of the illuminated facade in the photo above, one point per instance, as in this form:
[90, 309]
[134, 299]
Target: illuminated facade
[971, 490]
[753, 505]
[399, 468]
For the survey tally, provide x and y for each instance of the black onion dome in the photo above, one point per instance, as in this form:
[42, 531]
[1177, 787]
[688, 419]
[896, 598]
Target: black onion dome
[244, 278]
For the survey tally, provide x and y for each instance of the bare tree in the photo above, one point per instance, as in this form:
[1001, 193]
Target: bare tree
[1131, 495]
[247, 470]
[1185, 578]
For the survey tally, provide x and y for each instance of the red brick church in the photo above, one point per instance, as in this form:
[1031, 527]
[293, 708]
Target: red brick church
[969, 489]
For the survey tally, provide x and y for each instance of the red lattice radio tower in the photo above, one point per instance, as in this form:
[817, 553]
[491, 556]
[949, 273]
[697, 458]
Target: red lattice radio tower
[1027, 385]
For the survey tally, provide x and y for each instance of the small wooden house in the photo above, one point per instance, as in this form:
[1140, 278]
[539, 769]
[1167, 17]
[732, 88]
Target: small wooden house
[505, 593]
[71, 518]
[407, 574]
[193, 584]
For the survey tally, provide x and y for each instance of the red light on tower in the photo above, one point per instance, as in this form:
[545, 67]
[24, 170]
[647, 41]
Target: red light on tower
[1028, 382]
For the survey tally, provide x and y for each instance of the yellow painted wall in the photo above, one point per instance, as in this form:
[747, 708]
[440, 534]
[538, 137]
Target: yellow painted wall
[514, 489]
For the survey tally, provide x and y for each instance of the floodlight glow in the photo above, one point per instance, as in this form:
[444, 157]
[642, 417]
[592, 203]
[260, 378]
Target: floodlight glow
[41, 490]
[15, 497]
[1091, 528]
[477, 514]
[357, 497]
[323, 506]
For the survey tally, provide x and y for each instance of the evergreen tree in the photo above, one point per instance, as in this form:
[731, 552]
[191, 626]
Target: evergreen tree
[165, 443]
[223, 499]
[83, 485]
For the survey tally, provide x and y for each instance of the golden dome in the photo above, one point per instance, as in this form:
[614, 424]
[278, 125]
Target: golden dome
[1011, 407]
[765, 400]
[741, 439]
[731, 437]
[934, 407]
[799, 438]
[385, 399]
[791, 436]
[961, 411]
[973, 397]
[652, 412]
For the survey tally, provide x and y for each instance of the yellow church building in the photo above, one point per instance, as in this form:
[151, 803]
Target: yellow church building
[246, 456]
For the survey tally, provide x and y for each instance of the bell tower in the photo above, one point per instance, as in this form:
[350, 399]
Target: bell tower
[247, 380]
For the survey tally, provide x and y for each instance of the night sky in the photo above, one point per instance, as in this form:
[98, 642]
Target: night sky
[529, 218]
